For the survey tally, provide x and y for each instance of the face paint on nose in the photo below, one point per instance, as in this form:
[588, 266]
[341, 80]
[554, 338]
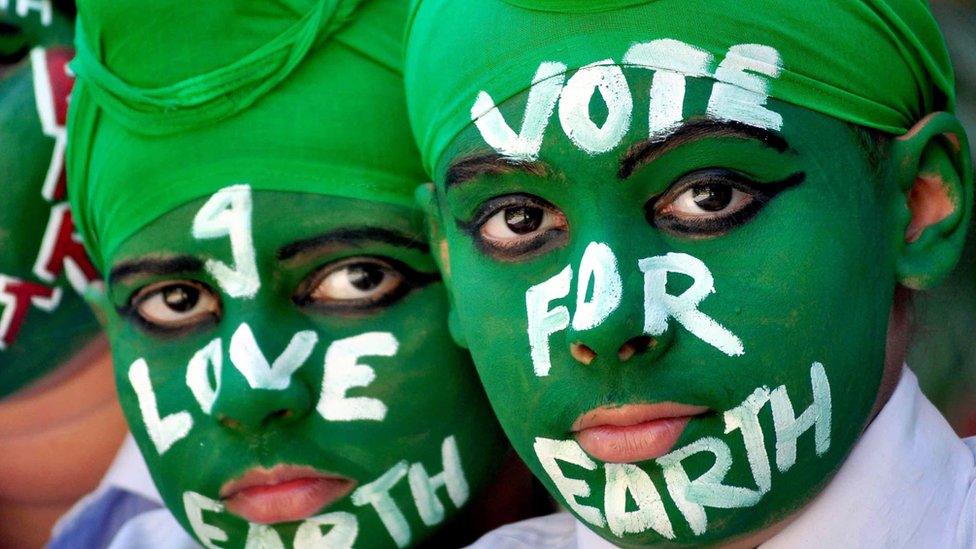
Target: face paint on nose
[600, 278]
[659, 305]
[251, 362]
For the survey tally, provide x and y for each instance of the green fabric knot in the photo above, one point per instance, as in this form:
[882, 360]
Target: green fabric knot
[211, 96]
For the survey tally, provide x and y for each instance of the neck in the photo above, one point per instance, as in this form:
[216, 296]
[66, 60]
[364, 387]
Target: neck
[896, 347]
[515, 495]
[58, 436]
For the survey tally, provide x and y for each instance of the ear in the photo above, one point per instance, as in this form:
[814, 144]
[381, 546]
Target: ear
[426, 197]
[935, 176]
[97, 298]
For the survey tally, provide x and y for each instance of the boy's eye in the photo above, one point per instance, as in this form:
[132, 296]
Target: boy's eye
[359, 285]
[515, 227]
[517, 222]
[708, 200]
[176, 304]
[711, 202]
[368, 280]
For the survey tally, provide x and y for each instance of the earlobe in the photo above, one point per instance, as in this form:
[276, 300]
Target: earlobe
[934, 171]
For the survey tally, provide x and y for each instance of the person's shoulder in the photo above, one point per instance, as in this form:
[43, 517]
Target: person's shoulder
[556, 531]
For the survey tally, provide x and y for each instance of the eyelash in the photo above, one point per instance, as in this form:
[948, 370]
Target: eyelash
[131, 311]
[761, 194]
[412, 279]
[516, 251]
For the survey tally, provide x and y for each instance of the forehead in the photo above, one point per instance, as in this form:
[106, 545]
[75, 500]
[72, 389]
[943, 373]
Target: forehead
[641, 106]
[277, 219]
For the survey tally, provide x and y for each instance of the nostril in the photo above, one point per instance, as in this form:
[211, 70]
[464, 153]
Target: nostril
[583, 354]
[276, 416]
[229, 422]
[280, 414]
[635, 346]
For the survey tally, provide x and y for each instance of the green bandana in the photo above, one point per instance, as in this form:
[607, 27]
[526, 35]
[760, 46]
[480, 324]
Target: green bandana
[43, 321]
[285, 141]
[877, 63]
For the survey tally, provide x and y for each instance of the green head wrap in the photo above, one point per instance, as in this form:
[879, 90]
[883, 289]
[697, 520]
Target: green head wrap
[43, 321]
[130, 163]
[876, 63]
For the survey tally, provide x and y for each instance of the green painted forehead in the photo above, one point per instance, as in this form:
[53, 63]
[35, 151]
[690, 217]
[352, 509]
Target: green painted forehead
[43, 266]
[336, 126]
[777, 49]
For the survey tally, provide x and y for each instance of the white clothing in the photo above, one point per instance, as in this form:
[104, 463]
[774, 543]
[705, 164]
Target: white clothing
[125, 492]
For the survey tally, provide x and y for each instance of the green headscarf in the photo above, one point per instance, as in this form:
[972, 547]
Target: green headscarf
[876, 63]
[43, 321]
[128, 165]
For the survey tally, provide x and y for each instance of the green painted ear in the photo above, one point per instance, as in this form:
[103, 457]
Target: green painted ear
[934, 170]
[426, 197]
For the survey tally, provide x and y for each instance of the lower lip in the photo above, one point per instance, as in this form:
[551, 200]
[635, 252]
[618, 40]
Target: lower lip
[286, 501]
[632, 443]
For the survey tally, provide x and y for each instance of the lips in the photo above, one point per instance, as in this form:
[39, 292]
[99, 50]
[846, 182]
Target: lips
[283, 493]
[634, 432]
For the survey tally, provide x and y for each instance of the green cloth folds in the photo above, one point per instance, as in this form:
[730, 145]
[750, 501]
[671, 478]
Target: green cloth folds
[205, 97]
[881, 64]
[336, 125]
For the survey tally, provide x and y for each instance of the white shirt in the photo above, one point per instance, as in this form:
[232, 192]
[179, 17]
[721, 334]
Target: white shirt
[909, 482]
[125, 492]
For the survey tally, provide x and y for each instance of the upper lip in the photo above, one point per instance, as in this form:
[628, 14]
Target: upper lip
[634, 414]
[259, 476]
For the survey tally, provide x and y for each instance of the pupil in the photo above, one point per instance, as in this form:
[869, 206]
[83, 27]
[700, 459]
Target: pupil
[712, 198]
[365, 276]
[522, 219]
[181, 298]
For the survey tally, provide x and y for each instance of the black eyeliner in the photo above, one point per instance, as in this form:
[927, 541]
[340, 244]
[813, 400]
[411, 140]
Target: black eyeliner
[762, 194]
[412, 280]
[546, 241]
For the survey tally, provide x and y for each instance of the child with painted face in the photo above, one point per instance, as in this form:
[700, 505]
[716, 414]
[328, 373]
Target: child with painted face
[679, 237]
[60, 422]
[277, 322]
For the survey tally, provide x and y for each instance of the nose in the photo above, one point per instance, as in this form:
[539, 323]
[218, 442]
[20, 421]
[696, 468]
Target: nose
[633, 347]
[258, 388]
[608, 324]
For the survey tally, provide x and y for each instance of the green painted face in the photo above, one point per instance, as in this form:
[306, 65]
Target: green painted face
[298, 340]
[733, 274]
[43, 266]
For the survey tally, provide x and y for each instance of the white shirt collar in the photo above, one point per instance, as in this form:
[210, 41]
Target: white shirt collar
[909, 482]
[128, 473]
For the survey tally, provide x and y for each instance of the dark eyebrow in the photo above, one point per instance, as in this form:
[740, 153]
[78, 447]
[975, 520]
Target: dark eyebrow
[644, 152]
[353, 236]
[480, 164]
[154, 266]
